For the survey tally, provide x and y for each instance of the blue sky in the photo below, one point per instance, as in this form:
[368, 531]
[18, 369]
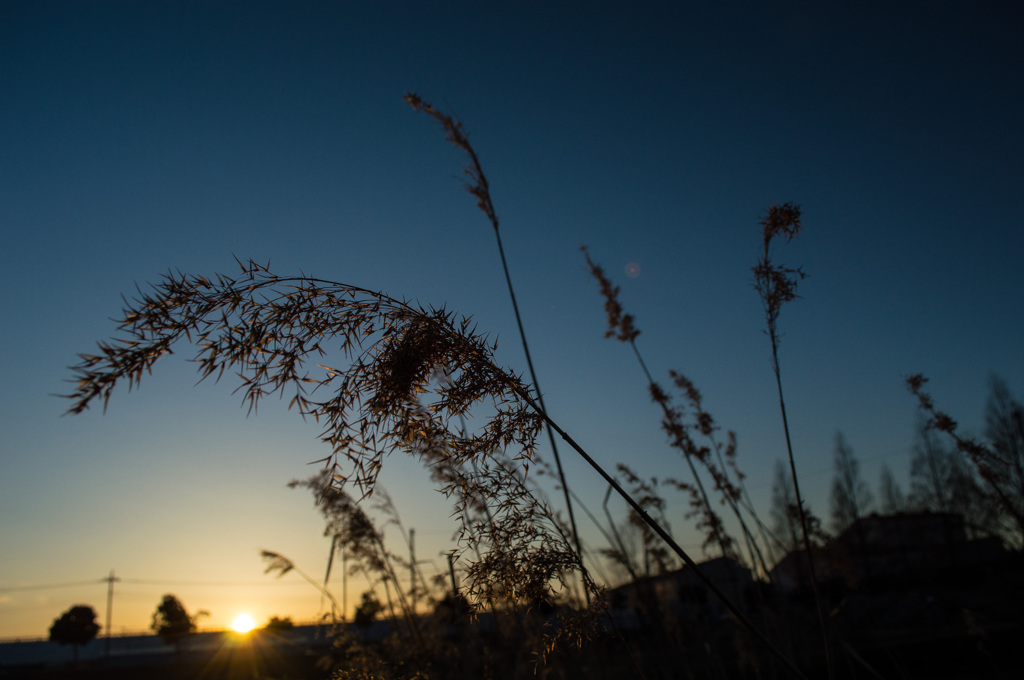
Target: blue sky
[138, 138]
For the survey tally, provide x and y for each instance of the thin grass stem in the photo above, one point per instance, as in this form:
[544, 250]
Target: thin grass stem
[665, 536]
[481, 189]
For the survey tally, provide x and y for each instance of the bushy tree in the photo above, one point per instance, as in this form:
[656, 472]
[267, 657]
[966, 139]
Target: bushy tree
[368, 609]
[892, 498]
[171, 620]
[77, 626]
[1004, 430]
[942, 480]
[784, 514]
[851, 498]
[279, 624]
[995, 468]
[453, 609]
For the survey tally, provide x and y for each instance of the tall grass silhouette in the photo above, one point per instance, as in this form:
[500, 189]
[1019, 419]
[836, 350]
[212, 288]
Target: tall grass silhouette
[269, 330]
[383, 376]
[681, 430]
[776, 284]
[480, 188]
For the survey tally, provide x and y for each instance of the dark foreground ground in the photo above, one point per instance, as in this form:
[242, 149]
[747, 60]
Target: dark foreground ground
[220, 656]
[939, 630]
[890, 656]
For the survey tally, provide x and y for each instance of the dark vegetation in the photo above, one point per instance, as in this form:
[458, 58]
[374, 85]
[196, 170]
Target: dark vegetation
[279, 625]
[77, 626]
[171, 620]
[778, 599]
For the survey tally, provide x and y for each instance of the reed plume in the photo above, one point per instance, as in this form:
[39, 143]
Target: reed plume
[679, 428]
[270, 330]
[776, 285]
[480, 189]
[388, 398]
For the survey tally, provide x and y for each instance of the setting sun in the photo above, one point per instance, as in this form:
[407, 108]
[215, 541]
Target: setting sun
[243, 623]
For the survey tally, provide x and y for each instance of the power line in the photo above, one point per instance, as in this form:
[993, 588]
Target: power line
[212, 584]
[150, 582]
[49, 586]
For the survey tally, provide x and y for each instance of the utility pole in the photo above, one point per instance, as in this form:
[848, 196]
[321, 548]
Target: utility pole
[110, 604]
[344, 585]
[451, 573]
[412, 569]
[413, 564]
[327, 575]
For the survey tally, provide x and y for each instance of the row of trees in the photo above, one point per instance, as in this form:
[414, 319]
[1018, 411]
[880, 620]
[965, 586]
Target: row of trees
[78, 626]
[942, 479]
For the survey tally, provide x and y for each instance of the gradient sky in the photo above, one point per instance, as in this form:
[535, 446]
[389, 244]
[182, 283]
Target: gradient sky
[141, 137]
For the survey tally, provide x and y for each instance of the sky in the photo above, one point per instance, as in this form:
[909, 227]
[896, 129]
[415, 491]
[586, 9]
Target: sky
[142, 138]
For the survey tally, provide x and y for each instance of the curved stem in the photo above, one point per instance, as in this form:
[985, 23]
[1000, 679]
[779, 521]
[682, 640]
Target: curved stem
[657, 528]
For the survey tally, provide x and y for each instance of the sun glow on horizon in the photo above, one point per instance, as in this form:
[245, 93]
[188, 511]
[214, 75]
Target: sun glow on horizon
[243, 623]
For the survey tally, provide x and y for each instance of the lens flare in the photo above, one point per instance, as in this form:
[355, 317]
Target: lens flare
[243, 623]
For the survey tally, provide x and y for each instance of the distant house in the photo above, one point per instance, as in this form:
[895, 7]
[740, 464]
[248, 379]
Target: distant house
[681, 594]
[889, 546]
[793, 572]
[880, 546]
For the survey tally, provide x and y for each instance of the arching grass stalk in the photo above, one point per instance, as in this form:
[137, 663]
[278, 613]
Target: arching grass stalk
[387, 397]
[776, 285]
[479, 187]
[265, 328]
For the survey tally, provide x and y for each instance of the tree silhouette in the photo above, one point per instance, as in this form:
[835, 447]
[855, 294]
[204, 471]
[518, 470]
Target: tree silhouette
[1004, 430]
[850, 498]
[279, 625]
[453, 609]
[784, 514]
[993, 488]
[892, 497]
[367, 611]
[942, 480]
[171, 621]
[77, 626]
